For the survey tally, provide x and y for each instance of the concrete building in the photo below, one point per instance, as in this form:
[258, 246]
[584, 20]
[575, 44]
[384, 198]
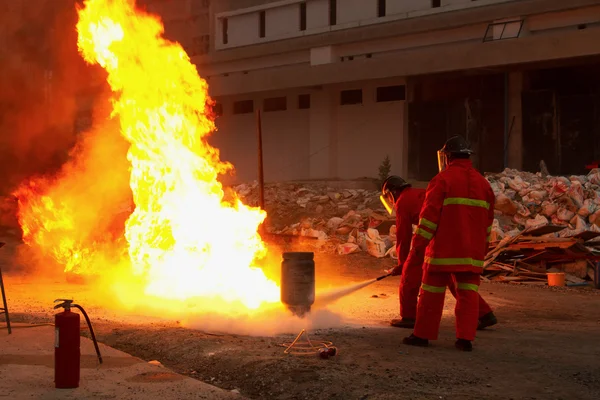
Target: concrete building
[343, 83]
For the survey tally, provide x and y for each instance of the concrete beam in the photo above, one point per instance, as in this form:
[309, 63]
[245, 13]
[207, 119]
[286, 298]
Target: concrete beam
[444, 20]
[473, 55]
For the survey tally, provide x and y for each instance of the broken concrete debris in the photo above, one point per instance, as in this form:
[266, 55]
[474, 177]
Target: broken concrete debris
[544, 224]
[353, 220]
[343, 221]
[526, 200]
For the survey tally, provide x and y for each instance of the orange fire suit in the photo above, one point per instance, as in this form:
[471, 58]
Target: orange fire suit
[408, 206]
[452, 236]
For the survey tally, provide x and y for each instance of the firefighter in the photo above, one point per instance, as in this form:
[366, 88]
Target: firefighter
[407, 201]
[453, 233]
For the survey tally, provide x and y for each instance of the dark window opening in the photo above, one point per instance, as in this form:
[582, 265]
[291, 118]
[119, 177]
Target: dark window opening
[436, 3]
[332, 12]
[217, 109]
[349, 97]
[224, 27]
[391, 93]
[304, 101]
[243, 107]
[275, 104]
[381, 8]
[302, 16]
[262, 24]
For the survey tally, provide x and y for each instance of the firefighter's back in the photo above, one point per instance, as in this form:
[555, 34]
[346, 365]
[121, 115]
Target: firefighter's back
[461, 240]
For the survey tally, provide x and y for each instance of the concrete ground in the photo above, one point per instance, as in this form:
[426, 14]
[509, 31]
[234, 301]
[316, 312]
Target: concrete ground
[544, 347]
[27, 371]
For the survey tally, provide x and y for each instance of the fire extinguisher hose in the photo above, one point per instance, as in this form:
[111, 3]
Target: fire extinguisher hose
[87, 319]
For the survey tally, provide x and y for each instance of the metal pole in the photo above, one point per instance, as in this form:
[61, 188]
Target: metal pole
[261, 179]
[5, 304]
[506, 113]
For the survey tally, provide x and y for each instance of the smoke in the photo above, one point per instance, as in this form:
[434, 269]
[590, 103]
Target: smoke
[42, 79]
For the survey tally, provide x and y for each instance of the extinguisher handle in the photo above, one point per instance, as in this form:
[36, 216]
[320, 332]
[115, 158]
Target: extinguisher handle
[66, 303]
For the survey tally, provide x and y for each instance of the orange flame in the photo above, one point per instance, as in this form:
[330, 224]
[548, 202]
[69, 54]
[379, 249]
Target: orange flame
[183, 237]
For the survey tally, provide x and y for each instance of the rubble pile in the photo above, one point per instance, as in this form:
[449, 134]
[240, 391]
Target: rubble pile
[343, 221]
[525, 200]
[544, 224]
[317, 198]
[530, 255]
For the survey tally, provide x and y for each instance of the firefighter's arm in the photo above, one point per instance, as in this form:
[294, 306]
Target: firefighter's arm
[403, 234]
[490, 219]
[428, 219]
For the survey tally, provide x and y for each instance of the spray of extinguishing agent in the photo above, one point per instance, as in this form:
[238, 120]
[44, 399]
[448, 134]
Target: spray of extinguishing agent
[67, 345]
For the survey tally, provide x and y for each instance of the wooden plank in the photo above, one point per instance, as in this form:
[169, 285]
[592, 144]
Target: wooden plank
[541, 246]
[538, 239]
[587, 235]
[545, 230]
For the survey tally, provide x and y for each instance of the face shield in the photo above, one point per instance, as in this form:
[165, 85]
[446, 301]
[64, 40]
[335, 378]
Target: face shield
[442, 160]
[387, 199]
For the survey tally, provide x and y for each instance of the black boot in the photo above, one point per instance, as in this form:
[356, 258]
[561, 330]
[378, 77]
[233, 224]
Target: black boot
[487, 320]
[463, 345]
[403, 323]
[413, 340]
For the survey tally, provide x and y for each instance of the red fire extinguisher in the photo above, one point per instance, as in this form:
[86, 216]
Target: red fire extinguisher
[66, 345]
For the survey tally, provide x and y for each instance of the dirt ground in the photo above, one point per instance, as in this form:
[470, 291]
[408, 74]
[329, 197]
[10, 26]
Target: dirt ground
[545, 346]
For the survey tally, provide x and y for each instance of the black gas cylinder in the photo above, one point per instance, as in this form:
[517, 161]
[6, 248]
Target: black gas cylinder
[298, 281]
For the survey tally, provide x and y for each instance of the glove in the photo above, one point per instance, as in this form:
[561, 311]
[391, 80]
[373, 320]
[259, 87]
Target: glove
[396, 271]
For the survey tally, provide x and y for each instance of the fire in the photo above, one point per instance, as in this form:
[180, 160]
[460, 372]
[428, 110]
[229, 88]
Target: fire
[183, 237]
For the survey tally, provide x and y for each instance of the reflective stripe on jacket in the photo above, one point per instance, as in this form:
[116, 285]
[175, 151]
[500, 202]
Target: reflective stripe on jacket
[408, 207]
[455, 221]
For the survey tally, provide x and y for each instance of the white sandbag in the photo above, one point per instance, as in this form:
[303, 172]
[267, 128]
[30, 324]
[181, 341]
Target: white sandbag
[594, 176]
[373, 234]
[536, 222]
[522, 210]
[564, 215]
[587, 209]
[348, 248]
[376, 248]
[505, 205]
[549, 208]
[517, 184]
[334, 223]
[595, 218]
[575, 192]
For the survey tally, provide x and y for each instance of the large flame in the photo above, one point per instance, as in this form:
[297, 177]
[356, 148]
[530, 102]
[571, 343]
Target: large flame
[183, 237]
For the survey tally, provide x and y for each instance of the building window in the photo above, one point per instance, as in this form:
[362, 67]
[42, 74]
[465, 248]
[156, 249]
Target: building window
[304, 101]
[349, 97]
[302, 16]
[332, 12]
[243, 107]
[436, 3]
[224, 28]
[381, 8]
[275, 104]
[261, 24]
[391, 93]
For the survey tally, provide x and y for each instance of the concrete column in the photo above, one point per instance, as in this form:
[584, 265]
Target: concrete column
[410, 97]
[515, 120]
[322, 136]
